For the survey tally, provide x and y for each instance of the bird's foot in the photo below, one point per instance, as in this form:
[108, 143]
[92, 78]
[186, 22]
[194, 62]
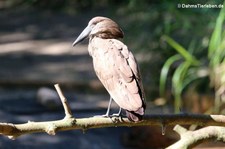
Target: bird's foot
[108, 116]
[116, 115]
[104, 116]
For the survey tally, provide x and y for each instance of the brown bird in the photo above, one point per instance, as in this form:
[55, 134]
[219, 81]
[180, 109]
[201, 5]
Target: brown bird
[115, 66]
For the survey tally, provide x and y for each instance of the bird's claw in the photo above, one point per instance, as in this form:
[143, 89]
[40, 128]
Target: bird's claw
[108, 116]
[115, 115]
[104, 116]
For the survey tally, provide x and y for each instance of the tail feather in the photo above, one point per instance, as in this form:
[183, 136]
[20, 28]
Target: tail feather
[135, 116]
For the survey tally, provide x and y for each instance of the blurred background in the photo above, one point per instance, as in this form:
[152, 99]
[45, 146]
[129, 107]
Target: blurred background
[180, 52]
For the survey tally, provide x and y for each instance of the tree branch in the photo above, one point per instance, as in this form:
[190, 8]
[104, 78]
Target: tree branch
[70, 123]
[50, 127]
[189, 139]
[68, 113]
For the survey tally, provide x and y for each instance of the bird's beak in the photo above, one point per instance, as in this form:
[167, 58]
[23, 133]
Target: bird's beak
[85, 33]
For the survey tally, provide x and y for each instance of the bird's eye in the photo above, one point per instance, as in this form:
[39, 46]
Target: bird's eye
[94, 23]
[97, 21]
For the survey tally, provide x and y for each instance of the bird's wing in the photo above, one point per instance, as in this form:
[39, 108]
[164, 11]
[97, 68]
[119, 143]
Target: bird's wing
[117, 69]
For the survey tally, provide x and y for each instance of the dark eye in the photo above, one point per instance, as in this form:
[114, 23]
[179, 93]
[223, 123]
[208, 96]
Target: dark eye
[98, 21]
[95, 22]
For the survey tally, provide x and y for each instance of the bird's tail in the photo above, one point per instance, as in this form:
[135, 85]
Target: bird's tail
[135, 116]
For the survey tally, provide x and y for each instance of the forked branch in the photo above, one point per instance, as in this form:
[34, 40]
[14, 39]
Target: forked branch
[70, 123]
[189, 139]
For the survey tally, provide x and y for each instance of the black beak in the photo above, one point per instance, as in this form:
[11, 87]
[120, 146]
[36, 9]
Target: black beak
[85, 33]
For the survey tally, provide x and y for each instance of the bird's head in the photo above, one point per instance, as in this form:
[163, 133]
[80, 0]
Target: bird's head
[100, 27]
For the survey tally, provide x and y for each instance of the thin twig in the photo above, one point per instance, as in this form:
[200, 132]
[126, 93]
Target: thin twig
[69, 123]
[68, 113]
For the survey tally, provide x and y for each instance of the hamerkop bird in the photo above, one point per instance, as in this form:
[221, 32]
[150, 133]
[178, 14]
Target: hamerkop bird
[115, 66]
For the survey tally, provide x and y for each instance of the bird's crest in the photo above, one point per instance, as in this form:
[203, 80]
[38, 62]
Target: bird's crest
[105, 28]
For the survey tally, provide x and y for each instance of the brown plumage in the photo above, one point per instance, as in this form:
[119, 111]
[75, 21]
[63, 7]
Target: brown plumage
[115, 65]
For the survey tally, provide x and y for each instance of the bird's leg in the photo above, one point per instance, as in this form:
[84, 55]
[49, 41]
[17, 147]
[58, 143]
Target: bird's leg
[108, 109]
[118, 114]
[109, 106]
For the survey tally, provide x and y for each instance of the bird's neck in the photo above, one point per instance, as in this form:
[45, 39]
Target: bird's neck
[97, 45]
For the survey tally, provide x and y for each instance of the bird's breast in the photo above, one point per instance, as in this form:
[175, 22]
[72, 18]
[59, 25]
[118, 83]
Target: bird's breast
[103, 57]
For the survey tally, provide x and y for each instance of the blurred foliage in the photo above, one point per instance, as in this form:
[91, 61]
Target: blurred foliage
[190, 69]
[147, 24]
[184, 74]
[216, 56]
[61, 5]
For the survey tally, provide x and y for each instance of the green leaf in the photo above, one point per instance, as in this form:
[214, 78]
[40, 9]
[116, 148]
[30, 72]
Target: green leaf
[181, 50]
[214, 51]
[177, 82]
[192, 46]
[193, 74]
[164, 73]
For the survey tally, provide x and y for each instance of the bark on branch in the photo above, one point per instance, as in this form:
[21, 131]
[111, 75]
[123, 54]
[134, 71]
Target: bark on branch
[71, 123]
[15, 130]
[189, 139]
